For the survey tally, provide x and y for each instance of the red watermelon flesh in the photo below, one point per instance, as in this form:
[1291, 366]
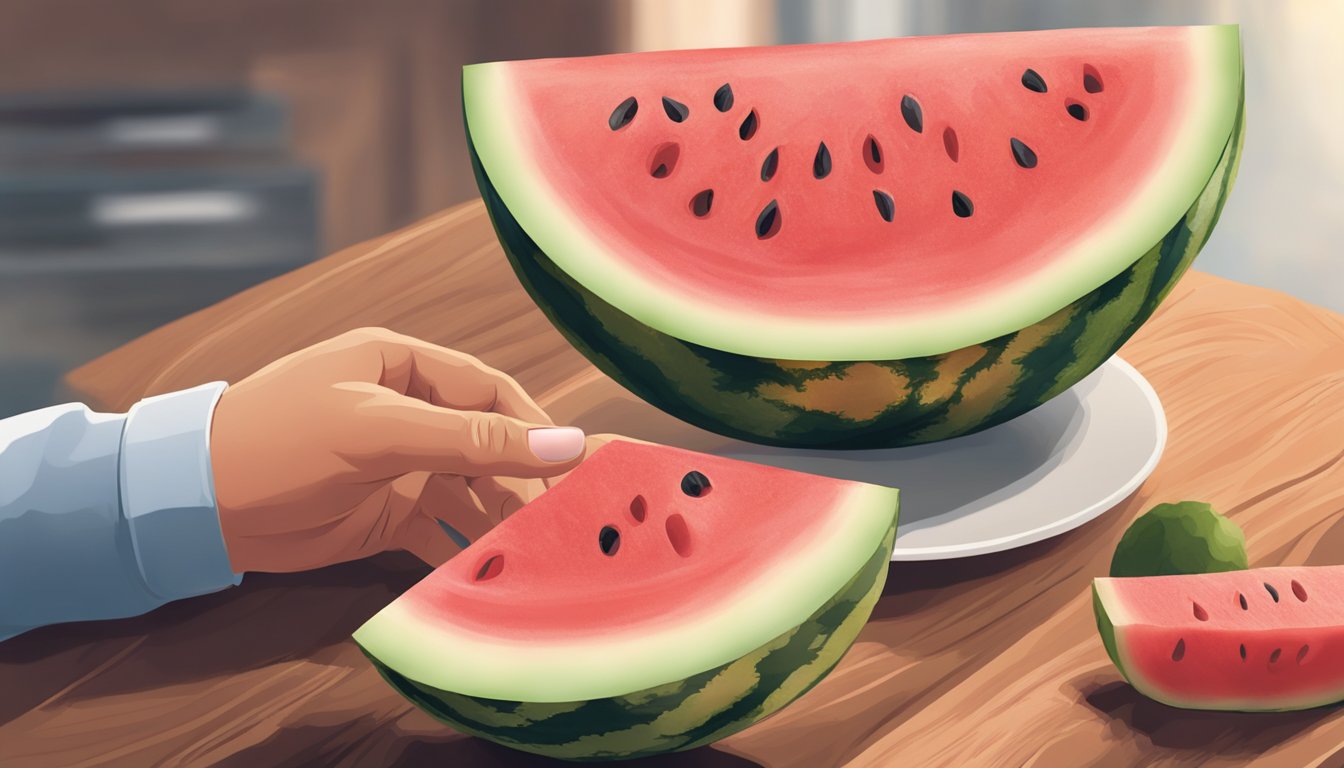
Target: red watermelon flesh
[858, 201]
[647, 564]
[1259, 639]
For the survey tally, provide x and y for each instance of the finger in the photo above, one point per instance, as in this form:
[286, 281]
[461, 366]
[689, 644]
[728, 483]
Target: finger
[448, 498]
[406, 435]
[446, 377]
[424, 538]
[502, 496]
[591, 444]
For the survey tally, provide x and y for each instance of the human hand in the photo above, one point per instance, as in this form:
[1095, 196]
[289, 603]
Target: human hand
[363, 443]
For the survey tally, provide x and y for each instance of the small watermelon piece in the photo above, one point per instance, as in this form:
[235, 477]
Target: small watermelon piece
[1251, 640]
[860, 244]
[656, 600]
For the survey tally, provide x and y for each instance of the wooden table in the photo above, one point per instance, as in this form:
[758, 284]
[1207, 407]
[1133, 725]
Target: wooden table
[991, 661]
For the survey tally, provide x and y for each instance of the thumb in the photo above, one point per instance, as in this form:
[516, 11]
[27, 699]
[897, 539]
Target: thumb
[422, 437]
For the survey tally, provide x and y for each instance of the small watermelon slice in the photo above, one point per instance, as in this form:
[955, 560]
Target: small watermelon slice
[1259, 639]
[859, 244]
[655, 600]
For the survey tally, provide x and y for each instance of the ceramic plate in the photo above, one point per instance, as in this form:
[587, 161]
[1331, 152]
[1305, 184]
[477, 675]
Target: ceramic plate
[1037, 476]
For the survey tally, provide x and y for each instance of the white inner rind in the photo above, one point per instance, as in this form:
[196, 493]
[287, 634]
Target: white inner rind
[1157, 203]
[538, 669]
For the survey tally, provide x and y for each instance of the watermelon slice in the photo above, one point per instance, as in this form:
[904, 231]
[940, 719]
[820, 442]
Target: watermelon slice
[859, 244]
[1259, 639]
[655, 600]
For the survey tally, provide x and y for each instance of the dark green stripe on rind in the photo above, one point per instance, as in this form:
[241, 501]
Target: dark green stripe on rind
[768, 402]
[679, 715]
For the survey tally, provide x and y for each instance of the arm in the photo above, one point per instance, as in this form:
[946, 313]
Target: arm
[104, 516]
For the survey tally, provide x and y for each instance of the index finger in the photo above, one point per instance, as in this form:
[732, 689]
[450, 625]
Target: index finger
[451, 379]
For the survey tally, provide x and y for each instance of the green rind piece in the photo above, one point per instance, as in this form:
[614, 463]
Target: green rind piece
[1106, 629]
[919, 400]
[1188, 537]
[681, 714]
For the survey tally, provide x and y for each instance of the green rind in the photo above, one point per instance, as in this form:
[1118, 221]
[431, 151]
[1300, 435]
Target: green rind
[767, 401]
[679, 715]
[1184, 538]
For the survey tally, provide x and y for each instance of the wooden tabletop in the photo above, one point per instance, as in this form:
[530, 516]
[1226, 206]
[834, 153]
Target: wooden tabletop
[990, 661]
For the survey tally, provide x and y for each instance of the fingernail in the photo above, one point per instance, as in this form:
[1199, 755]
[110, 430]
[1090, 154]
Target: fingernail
[555, 443]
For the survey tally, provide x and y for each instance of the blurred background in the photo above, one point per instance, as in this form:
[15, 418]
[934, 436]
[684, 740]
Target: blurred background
[157, 156]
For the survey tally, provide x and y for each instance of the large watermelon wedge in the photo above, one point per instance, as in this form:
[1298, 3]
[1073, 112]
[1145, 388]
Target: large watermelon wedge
[655, 600]
[1259, 639]
[860, 244]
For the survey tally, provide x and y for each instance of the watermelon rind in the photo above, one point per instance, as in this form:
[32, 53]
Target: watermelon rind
[680, 714]
[1185, 537]
[864, 403]
[500, 130]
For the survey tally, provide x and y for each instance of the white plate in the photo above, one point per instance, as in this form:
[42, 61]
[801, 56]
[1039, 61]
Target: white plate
[1037, 476]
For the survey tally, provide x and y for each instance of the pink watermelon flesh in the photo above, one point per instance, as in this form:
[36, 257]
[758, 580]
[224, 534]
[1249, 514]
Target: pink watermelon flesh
[947, 179]
[1259, 639]
[624, 560]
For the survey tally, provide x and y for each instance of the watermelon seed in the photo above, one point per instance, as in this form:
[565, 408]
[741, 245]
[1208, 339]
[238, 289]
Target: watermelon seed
[678, 534]
[723, 98]
[821, 164]
[491, 568]
[1091, 79]
[676, 111]
[609, 539]
[950, 143]
[749, 125]
[1023, 154]
[1178, 652]
[623, 114]
[700, 203]
[639, 509]
[961, 205]
[1076, 110]
[770, 165]
[1299, 591]
[1200, 613]
[913, 114]
[1243, 651]
[767, 224]
[1033, 81]
[1242, 599]
[1302, 654]
[885, 207]
[872, 154]
[1274, 655]
[664, 160]
[1274, 593]
[695, 484]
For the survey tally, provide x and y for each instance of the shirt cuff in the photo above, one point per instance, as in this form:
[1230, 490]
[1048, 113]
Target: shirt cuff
[168, 494]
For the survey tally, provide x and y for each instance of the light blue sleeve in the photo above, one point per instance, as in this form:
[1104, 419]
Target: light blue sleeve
[104, 516]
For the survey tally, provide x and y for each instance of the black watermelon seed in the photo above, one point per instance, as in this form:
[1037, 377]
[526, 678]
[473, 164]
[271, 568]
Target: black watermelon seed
[768, 223]
[749, 125]
[695, 483]
[872, 153]
[723, 98]
[1077, 111]
[623, 114]
[886, 207]
[913, 113]
[1243, 652]
[1274, 593]
[701, 203]
[1178, 652]
[821, 164]
[1242, 599]
[1022, 154]
[1091, 79]
[1274, 655]
[770, 165]
[961, 204]
[1302, 653]
[1033, 81]
[609, 540]
[676, 111]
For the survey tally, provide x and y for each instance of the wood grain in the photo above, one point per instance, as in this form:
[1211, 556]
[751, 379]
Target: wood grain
[991, 661]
